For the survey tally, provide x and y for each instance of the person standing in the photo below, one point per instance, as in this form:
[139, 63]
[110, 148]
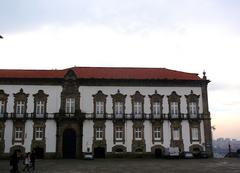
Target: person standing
[14, 162]
[33, 159]
[27, 162]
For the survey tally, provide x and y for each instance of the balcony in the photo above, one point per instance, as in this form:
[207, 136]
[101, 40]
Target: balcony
[156, 116]
[118, 116]
[174, 116]
[137, 116]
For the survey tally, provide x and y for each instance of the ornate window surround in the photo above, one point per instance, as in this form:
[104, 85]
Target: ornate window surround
[70, 90]
[18, 124]
[160, 125]
[40, 96]
[195, 125]
[137, 97]
[99, 97]
[20, 96]
[4, 99]
[118, 124]
[177, 143]
[138, 145]
[39, 124]
[156, 98]
[119, 147]
[138, 124]
[174, 97]
[118, 97]
[192, 98]
[99, 124]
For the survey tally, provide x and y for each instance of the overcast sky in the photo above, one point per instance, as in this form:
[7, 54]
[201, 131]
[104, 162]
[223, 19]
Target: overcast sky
[186, 35]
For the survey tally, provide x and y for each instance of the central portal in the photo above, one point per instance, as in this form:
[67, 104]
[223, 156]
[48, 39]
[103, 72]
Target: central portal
[69, 144]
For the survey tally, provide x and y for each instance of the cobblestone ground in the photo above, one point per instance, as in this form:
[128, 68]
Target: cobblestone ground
[133, 166]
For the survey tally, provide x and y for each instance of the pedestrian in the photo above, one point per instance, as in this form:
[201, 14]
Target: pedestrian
[14, 162]
[27, 162]
[33, 159]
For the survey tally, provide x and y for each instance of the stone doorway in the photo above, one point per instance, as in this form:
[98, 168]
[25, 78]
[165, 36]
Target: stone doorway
[99, 152]
[39, 151]
[69, 144]
[158, 153]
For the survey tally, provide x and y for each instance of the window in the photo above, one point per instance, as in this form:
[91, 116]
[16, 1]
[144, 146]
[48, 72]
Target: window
[20, 108]
[99, 133]
[18, 133]
[137, 104]
[193, 109]
[40, 109]
[70, 106]
[174, 109]
[192, 101]
[119, 133]
[99, 102]
[137, 109]
[38, 133]
[138, 133]
[195, 132]
[118, 109]
[118, 104]
[99, 109]
[157, 133]
[176, 134]
[156, 109]
[2, 108]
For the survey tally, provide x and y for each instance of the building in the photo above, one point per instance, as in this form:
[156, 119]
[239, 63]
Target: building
[107, 111]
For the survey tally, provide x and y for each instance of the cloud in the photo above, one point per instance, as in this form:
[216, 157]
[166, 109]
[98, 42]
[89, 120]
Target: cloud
[130, 15]
[184, 35]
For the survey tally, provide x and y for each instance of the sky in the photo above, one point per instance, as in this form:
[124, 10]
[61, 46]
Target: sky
[185, 35]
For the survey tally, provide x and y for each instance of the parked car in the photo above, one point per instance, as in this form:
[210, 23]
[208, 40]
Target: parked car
[88, 156]
[172, 152]
[188, 155]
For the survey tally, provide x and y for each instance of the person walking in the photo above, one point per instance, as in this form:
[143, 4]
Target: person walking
[33, 159]
[14, 162]
[27, 162]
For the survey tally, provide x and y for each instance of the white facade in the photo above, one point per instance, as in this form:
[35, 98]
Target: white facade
[88, 143]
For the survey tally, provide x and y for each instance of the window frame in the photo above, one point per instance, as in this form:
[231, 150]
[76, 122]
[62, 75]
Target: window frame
[99, 131]
[138, 133]
[98, 98]
[70, 105]
[137, 105]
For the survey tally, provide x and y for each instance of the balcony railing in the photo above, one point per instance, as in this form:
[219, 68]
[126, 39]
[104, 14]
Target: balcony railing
[101, 116]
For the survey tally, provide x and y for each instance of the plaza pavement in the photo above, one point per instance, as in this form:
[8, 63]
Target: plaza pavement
[229, 165]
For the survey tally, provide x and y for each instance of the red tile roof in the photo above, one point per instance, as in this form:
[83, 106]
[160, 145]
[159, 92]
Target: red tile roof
[104, 73]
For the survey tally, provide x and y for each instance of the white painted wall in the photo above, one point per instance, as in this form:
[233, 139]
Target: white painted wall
[128, 135]
[86, 105]
[87, 135]
[109, 135]
[8, 132]
[86, 100]
[28, 136]
[148, 135]
[53, 101]
[50, 135]
[185, 134]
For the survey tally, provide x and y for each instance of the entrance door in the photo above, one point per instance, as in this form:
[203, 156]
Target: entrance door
[39, 152]
[69, 144]
[158, 153]
[99, 152]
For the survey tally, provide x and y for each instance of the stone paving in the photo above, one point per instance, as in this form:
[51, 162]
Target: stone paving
[134, 166]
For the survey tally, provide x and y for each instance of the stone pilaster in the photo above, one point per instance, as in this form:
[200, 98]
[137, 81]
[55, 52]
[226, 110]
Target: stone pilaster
[207, 117]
